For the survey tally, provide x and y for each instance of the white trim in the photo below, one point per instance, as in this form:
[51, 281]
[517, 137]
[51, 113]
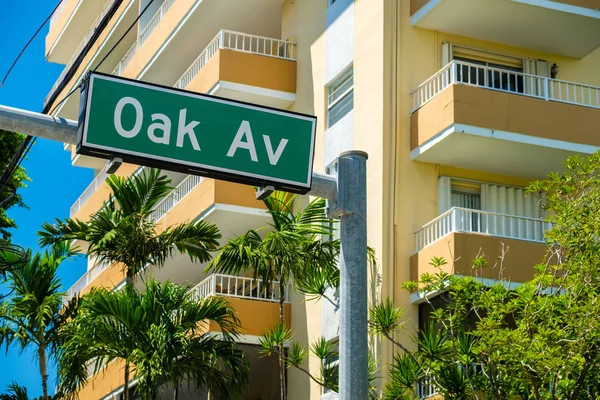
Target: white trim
[179, 26]
[96, 55]
[423, 11]
[562, 7]
[240, 209]
[419, 297]
[198, 96]
[67, 23]
[502, 135]
[243, 339]
[255, 90]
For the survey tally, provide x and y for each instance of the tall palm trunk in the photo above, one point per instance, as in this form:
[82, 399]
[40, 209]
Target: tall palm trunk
[126, 384]
[281, 348]
[175, 390]
[43, 368]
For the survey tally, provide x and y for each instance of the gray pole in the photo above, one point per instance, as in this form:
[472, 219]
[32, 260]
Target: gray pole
[352, 209]
[39, 125]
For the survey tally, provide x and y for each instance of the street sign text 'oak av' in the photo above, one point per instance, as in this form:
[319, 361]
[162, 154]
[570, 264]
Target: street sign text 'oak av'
[198, 134]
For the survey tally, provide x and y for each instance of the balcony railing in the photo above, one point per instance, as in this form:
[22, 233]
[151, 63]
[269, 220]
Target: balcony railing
[239, 286]
[86, 279]
[79, 49]
[237, 41]
[153, 23]
[482, 222]
[171, 200]
[426, 389]
[143, 36]
[459, 72]
[125, 60]
[88, 192]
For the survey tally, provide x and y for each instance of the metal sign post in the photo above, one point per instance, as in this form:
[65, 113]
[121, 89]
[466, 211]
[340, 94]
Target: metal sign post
[345, 191]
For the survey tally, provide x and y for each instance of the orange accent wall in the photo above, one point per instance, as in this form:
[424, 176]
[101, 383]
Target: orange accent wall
[104, 382]
[519, 256]
[109, 278]
[256, 316]
[101, 194]
[492, 109]
[247, 69]
[60, 23]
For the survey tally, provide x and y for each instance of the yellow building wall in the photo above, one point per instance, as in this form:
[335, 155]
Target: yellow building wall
[310, 99]
[415, 55]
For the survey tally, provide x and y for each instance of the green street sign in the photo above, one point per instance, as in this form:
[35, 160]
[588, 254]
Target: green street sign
[194, 133]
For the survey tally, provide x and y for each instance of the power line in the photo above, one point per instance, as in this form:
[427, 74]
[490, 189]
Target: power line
[123, 35]
[28, 43]
[29, 140]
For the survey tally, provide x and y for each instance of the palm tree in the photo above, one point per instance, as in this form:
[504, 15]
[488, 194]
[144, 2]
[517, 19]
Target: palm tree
[15, 392]
[159, 331]
[31, 316]
[123, 231]
[290, 247]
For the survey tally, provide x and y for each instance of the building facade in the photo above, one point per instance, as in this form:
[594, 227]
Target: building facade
[460, 104]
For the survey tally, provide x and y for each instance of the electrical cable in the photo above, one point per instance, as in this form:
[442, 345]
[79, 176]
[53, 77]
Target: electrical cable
[29, 42]
[123, 36]
[29, 140]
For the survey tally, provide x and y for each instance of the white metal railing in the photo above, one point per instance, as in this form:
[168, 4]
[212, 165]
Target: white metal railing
[86, 279]
[459, 72]
[88, 192]
[79, 49]
[426, 389]
[153, 23]
[484, 222]
[125, 60]
[244, 42]
[171, 200]
[56, 13]
[143, 36]
[238, 286]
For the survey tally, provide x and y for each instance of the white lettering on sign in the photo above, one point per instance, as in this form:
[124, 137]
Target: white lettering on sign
[164, 126]
[274, 158]
[183, 130]
[139, 117]
[238, 142]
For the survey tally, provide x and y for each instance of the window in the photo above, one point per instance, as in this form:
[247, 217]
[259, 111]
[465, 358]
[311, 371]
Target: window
[340, 97]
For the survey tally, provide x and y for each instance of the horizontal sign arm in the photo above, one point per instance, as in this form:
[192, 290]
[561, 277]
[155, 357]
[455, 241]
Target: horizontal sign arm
[65, 131]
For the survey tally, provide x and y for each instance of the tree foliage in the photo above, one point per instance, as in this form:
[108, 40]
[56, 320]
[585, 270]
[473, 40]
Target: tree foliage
[10, 196]
[536, 340]
[161, 333]
[32, 315]
[124, 230]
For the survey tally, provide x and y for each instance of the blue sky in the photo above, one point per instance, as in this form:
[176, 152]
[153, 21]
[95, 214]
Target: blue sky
[55, 183]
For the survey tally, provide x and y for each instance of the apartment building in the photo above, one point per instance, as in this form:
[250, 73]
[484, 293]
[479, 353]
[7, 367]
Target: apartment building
[459, 103]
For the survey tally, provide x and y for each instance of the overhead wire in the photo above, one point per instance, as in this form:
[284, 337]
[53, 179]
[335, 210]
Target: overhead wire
[29, 42]
[29, 141]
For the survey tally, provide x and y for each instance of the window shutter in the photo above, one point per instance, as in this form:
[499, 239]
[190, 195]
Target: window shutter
[444, 190]
[446, 53]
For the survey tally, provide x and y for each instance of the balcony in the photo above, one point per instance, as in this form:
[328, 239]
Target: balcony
[257, 307]
[522, 23]
[116, 27]
[163, 45]
[71, 27]
[461, 234]
[245, 67]
[232, 207]
[97, 193]
[477, 117]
